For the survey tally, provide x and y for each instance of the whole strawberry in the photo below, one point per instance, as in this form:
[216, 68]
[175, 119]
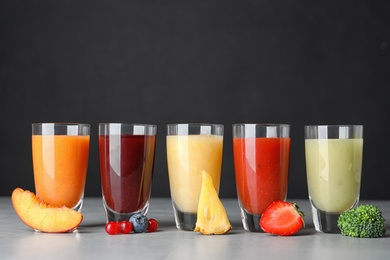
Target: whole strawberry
[282, 218]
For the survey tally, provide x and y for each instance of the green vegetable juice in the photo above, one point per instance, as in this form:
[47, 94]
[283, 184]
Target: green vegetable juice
[333, 172]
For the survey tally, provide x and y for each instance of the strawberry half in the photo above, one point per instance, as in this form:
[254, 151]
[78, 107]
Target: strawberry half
[282, 218]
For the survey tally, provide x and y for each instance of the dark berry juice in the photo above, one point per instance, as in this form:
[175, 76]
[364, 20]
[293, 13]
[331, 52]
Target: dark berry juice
[126, 169]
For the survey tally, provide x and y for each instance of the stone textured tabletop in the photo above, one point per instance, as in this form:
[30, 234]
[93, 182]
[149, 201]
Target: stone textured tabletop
[17, 241]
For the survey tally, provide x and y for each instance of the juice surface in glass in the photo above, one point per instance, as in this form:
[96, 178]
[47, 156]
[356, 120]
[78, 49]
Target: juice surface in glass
[333, 172]
[60, 165]
[187, 157]
[261, 170]
[126, 168]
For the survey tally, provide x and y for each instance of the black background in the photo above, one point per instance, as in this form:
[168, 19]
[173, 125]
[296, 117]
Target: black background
[294, 62]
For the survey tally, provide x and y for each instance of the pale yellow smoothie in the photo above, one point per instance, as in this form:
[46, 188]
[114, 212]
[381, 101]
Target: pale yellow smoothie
[333, 169]
[188, 156]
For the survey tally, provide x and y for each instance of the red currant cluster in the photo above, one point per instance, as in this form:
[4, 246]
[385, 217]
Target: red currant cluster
[126, 227]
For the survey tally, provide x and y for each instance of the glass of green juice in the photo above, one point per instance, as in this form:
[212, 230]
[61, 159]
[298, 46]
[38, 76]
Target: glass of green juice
[334, 156]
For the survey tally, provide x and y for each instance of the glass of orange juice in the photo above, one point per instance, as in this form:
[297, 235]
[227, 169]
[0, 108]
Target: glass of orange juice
[192, 148]
[60, 160]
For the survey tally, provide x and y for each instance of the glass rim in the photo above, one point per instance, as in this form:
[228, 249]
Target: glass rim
[344, 125]
[261, 124]
[333, 131]
[60, 128]
[129, 124]
[261, 130]
[61, 124]
[194, 124]
[127, 129]
[195, 129]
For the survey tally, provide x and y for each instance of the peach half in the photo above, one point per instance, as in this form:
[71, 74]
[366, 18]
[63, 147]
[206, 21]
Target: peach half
[42, 216]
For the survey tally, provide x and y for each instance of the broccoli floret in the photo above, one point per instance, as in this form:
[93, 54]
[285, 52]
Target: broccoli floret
[364, 221]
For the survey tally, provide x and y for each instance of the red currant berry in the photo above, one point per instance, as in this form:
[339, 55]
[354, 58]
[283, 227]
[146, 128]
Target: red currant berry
[126, 227]
[112, 228]
[152, 225]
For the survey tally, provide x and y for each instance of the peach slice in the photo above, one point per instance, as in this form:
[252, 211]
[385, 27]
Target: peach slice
[42, 216]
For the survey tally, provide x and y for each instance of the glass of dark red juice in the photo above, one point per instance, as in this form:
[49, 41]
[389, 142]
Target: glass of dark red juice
[261, 164]
[126, 156]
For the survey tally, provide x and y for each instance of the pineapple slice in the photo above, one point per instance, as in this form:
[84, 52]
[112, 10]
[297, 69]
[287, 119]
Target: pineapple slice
[211, 217]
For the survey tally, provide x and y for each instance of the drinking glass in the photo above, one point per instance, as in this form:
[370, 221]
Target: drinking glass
[126, 156]
[334, 155]
[192, 148]
[261, 155]
[60, 160]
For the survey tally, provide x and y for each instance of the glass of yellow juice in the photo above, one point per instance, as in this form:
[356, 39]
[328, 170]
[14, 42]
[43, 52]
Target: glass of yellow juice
[192, 148]
[334, 156]
[60, 154]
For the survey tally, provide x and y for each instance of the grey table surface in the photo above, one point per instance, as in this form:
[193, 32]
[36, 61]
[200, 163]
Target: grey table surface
[90, 241]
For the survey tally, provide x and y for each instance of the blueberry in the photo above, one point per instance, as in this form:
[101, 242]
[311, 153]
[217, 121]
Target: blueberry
[139, 222]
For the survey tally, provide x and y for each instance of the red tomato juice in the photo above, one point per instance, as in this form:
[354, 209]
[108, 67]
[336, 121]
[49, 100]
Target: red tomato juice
[261, 170]
[126, 169]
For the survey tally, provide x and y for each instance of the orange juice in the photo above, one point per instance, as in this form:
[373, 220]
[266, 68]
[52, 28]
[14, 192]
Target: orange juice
[60, 167]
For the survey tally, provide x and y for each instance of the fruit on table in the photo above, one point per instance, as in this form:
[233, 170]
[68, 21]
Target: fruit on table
[282, 218]
[118, 227]
[42, 216]
[139, 222]
[113, 228]
[211, 217]
[152, 225]
[126, 226]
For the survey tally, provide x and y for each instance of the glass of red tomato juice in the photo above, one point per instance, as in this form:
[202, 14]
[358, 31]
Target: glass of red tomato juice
[126, 157]
[261, 155]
